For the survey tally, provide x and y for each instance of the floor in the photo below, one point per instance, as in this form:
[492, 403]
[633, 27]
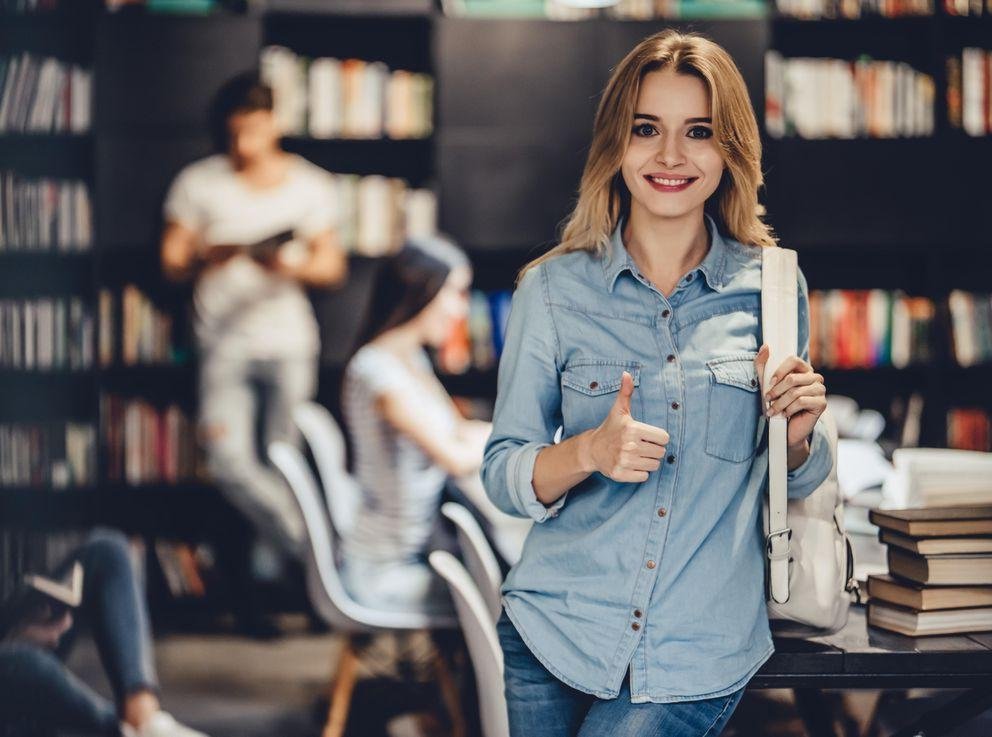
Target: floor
[229, 686]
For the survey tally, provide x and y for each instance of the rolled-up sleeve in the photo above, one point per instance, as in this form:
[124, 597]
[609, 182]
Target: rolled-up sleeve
[803, 480]
[528, 402]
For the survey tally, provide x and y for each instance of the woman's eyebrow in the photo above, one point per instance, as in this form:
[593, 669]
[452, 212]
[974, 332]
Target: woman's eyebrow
[655, 118]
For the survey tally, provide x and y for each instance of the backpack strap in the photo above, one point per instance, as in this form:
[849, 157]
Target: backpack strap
[780, 330]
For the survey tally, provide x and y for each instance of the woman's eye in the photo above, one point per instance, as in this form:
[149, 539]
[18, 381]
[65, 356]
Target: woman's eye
[644, 130]
[703, 132]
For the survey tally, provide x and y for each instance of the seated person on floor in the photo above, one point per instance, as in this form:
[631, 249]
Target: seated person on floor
[39, 695]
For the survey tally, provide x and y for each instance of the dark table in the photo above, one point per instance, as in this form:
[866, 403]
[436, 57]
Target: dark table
[867, 657]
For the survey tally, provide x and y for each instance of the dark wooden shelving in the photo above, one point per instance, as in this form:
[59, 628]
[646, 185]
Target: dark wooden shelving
[409, 159]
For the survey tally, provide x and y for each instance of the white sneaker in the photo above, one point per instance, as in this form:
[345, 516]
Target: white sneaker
[161, 724]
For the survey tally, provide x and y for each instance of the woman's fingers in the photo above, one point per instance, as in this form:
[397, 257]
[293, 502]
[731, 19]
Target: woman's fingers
[649, 433]
[811, 388]
[814, 404]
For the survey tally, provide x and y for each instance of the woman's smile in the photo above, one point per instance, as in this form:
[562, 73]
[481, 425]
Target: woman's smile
[669, 184]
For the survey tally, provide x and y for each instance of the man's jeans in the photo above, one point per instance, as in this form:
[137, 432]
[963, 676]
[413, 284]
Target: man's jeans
[540, 705]
[236, 396]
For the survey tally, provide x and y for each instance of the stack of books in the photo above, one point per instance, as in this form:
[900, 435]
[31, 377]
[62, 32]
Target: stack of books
[940, 571]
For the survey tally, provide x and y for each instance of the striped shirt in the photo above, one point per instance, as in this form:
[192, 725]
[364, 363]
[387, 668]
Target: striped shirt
[401, 484]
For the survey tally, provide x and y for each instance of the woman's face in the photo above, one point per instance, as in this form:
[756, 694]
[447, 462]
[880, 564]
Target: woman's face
[672, 164]
[449, 305]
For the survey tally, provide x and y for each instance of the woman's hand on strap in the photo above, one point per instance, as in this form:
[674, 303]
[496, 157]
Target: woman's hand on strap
[795, 391]
[623, 448]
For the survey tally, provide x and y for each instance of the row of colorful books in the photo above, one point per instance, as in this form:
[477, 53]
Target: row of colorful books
[41, 94]
[969, 428]
[46, 333]
[147, 444]
[969, 91]
[349, 98]
[940, 571]
[971, 327]
[476, 342]
[621, 10]
[968, 7]
[44, 214]
[866, 328]
[47, 455]
[146, 331]
[852, 9]
[376, 212]
[837, 98]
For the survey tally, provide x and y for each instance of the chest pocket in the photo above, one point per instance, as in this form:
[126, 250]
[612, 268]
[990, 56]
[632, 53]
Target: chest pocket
[589, 389]
[734, 407]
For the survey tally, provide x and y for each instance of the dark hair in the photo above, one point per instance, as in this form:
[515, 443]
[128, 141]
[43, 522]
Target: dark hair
[244, 93]
[405, 284]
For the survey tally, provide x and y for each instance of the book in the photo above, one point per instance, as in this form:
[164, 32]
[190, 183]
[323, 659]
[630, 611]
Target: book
[961, 568]
[935, 521]
[926, 598]
[942, 622]
[37, 591]
[936, 545]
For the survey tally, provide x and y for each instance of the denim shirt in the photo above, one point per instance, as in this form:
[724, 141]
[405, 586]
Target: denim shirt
[665, 576]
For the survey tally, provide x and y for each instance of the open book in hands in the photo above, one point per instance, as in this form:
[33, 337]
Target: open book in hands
[42, 600]
[263, 251]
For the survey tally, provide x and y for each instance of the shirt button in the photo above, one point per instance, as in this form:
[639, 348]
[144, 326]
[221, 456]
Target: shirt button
[671, 459]
[635, 626]
[637, 613]
[593, 384]
[689, 278]
[662, 511]
[754, 382]
[650, 564]
[675, 405]
[666, 313]
[670, 358]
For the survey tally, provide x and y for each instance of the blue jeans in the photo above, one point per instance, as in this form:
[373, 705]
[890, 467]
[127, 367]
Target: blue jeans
[38, 694]
[540, 705]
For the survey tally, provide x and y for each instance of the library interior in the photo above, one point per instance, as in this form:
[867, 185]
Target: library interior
[740, 486]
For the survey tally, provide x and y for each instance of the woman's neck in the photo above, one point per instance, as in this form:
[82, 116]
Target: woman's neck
[402, 341]
[666, 248]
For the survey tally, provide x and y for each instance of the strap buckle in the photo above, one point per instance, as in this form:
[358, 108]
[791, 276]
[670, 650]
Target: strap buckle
[787, 531]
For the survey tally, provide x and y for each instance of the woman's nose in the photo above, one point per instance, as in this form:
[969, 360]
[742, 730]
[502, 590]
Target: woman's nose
[669, 150]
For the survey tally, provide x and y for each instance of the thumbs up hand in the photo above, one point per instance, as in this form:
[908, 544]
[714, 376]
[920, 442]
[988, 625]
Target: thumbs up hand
[622, 448]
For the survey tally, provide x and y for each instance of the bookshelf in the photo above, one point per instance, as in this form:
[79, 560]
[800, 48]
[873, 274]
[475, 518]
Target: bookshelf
[866, 219]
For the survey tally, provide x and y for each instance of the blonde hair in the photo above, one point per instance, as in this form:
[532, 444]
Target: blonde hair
[603, 195]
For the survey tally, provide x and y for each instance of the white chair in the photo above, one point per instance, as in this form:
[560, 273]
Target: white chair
[479, 556]
[333, 603]
[483, 642]
[326, 442]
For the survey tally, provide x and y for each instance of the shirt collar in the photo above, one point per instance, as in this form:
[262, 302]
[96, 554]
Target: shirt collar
[617, 259]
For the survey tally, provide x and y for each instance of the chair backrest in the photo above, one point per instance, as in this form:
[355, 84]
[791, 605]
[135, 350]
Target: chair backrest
[325, 589]
[341, 490]
[479, 556]
[483, 642]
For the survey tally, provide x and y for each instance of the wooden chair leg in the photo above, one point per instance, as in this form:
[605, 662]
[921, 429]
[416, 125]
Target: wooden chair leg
[449, 692]
[342, 687]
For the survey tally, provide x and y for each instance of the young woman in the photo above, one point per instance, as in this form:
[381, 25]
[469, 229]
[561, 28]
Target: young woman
[638, 605]
[408, 437]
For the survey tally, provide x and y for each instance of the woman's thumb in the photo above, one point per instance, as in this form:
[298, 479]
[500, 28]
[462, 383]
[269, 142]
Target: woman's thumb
[626, 391]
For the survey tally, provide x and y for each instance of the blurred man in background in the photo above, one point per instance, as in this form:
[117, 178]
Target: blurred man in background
[253, 226]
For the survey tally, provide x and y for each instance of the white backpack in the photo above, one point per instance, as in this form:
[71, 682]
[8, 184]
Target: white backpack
[810, 571]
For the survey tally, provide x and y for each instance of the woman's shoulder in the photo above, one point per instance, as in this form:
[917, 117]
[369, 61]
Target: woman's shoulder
[375, 368]
[569, 273]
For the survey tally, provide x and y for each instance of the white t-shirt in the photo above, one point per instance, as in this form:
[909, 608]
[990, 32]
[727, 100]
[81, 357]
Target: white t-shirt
[401, 484]
[242, 310]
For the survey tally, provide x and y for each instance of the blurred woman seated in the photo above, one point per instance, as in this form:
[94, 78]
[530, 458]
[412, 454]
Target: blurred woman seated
[408, 437]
